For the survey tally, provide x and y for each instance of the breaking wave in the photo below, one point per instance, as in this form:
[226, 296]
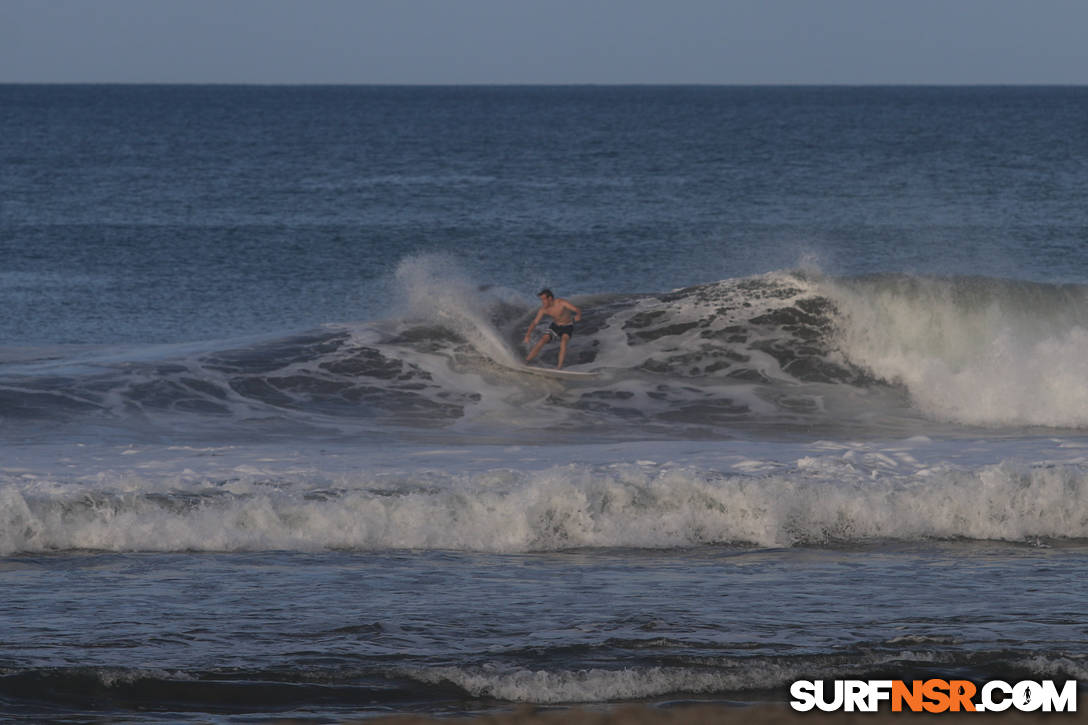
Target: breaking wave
[973, 350]
[818, 500]
[783, 351]
[423, 688]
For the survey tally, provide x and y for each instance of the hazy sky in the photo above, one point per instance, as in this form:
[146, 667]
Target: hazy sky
[545, 41]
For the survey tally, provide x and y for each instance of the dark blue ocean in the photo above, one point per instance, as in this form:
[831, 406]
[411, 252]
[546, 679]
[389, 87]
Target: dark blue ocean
[267, 449]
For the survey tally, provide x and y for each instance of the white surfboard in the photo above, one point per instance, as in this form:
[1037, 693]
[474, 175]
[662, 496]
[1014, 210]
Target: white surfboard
[553, 373]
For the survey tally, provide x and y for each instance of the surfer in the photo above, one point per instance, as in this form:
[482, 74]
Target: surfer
[563, 315]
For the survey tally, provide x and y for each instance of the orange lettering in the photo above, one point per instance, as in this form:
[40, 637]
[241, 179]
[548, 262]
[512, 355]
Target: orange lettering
[912, 696]
[961, 692]
[936, 691]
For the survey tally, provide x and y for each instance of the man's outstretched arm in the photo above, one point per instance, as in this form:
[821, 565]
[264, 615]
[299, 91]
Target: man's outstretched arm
[536, 320]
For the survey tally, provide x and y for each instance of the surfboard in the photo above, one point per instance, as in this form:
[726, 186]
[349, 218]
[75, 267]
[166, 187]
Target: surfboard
[553, 373]
[521, 367]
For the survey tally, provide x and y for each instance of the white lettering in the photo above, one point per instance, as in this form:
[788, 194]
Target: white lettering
[1027, 696]
[855, 695]
[1064, 701]
[803, 693]
[993, 696]
[834, 704]
[879, 690]
[988, 699]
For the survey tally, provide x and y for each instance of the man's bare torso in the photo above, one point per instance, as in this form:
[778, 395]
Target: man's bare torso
[559, 312]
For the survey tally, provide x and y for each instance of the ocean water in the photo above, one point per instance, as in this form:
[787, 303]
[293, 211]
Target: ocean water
[265, 451]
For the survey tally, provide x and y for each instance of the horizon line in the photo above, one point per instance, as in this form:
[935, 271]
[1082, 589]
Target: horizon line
[579, 84]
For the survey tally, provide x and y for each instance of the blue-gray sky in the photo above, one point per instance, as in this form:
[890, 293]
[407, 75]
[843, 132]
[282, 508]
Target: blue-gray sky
[544, 41]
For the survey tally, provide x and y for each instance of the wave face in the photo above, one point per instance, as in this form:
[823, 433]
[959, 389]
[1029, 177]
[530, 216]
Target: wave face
[857, 496]
[784, 352]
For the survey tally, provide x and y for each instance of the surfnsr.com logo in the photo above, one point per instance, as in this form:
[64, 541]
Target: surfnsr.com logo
[933, 696]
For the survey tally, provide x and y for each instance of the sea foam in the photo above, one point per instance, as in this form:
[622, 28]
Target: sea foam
[976, 351]
[602, 685]
[823, 499]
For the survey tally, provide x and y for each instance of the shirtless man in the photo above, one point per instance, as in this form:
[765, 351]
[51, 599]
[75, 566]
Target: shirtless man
[562, 327]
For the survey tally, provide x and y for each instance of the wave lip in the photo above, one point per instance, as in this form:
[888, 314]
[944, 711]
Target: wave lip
[819, 500]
